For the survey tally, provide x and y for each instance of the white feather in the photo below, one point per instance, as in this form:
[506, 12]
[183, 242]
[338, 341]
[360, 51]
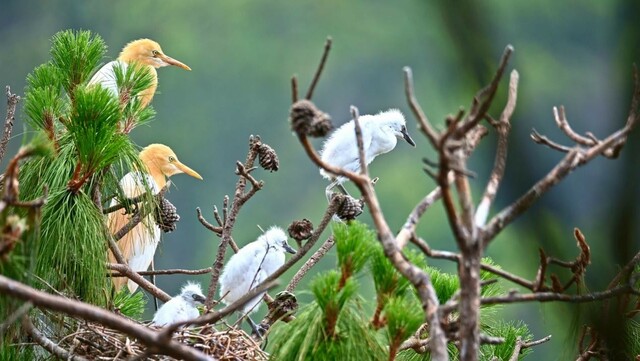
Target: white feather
[250, 266]
[379, 136]
[146, 234]
[179, 308]
[106, 76]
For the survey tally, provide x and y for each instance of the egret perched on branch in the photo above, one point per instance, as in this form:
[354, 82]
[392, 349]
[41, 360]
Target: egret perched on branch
[181, 307]
[139, 245]
[250, 266]
[145, 52]
[380, 135]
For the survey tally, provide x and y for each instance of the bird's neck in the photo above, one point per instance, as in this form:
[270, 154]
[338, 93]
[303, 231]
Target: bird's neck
[154, 171]
[159, 178]
[147, 95]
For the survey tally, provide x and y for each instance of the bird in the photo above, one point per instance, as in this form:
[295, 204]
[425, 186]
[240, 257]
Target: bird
[181, 307]
[380, 134]
[139, 245]
[145, 52]
[250, 266]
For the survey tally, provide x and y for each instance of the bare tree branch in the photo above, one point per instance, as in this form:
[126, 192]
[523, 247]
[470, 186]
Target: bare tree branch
[316, 76]
[92, 313]
[12, 102]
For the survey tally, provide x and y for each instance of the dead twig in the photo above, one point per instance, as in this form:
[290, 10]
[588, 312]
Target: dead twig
[12, 102]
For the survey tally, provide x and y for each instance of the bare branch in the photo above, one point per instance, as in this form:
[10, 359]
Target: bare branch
[239, 198]
[207, 225]
[15, 316]
[356, 125]
[326, 246]
[541, 139]
[12, 102]
[522, 345]
[92, 313]
[173, 271]
[423, 121]
[125, 270]
[502, 126]
[316, 76]
[47, 344]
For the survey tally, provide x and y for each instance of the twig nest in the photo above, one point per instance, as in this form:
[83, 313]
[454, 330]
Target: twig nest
[300, 230]
[166, 215]
[307, 119]
[268, 158]
[350, 207]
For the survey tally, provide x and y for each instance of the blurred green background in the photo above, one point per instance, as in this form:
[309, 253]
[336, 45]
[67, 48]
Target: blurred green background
[243, 53]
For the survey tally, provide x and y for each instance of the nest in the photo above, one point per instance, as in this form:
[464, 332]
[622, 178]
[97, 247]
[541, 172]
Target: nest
[97, 342]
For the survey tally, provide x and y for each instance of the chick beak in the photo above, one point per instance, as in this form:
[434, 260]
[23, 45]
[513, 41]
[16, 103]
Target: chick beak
[171, 61]
[199, 298]
[407, 137]
[187, 170]
[289, 249]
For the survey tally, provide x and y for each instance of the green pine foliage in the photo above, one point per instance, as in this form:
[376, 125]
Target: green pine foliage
[87, 125]
[354, 244]
[76, 55]
[510, 331]
[131, 305]
[330, 328]
[403, 315]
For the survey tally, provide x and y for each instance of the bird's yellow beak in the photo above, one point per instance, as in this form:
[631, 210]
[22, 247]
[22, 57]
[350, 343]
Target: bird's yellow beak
[187, 170]
[171, 61]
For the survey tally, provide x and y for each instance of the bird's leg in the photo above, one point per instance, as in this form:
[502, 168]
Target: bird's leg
[153, 281]
[328, 192]
[259, 331]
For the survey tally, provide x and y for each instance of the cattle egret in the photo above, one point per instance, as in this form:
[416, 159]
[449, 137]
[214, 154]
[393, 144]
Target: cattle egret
[144, 52]
[181, 307]
[380, 135]
[250, 266]
[139, 245]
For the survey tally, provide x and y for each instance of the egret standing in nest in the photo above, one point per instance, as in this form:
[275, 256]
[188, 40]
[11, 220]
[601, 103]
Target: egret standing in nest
[380, 134]
[145, 52]
[250, 266]
[181, 307]
[139, 245]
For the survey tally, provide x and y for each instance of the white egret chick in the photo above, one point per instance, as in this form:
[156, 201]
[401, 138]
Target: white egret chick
[181, 307]
[380, 135]
[250, 266]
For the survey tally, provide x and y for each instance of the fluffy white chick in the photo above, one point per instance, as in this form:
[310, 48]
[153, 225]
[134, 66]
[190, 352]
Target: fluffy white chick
[181, 307]
[251, 265]
[380, 134]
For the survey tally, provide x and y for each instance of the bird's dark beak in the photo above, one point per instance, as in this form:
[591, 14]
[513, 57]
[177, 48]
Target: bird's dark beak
[199, 298]
[289, 249]
[407, 137]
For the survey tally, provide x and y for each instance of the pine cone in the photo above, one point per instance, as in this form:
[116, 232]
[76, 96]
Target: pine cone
[268, 158]
[350, 208]
[321, 125]
[300, 230]
[283, 304]
[306, 119]
[166, 215]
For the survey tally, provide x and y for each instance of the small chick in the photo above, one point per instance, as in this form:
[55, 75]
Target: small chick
[181, 307]
[251, 265]
[380, 134]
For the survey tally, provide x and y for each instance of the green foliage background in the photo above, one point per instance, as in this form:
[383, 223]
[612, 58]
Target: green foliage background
[243, 53]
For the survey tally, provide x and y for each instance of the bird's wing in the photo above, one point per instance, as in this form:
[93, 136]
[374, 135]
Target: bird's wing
[239, 273]
[138, 245]
[341, 148]
[106, 76]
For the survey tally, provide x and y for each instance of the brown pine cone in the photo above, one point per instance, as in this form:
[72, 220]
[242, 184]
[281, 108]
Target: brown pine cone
[321, 125]
[350, 208]
[166, 216]
[300, 230]
[268, 158]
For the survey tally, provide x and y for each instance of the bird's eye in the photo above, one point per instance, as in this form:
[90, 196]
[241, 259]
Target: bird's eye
[171, 159]
[155, 53]
[195, 297]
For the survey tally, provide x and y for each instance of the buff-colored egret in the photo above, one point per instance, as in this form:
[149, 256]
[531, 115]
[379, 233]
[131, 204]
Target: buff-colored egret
[139, 245]
[145, 52]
